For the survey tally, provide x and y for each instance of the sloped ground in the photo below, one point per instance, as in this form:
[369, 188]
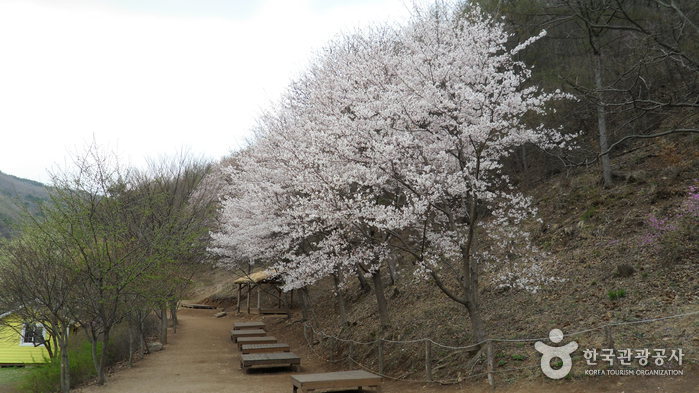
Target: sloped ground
[16, 195]
[590, 232]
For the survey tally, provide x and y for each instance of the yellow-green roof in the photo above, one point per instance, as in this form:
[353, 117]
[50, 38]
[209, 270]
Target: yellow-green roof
[257, 277]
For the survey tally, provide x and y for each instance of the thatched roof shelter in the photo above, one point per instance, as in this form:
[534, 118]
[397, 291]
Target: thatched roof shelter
[255, 281]
[260, 277]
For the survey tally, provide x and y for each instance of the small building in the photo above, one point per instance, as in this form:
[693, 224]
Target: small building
[21, 342]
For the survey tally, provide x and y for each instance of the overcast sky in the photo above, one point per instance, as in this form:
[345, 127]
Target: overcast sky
[148, 78]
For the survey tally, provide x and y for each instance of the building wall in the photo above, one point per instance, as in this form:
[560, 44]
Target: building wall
[11, 352]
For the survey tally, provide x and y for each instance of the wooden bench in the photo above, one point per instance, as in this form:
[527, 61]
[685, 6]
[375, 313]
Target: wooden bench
[249, 325]
[264, 348]
[270, 359]
[340, 379]
[255, 340]
[236, 334]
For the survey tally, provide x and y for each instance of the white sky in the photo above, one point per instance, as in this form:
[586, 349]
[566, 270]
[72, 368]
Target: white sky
[148, 78]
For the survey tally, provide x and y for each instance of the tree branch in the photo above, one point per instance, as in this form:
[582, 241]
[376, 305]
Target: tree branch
[446, 290]
[668, 132]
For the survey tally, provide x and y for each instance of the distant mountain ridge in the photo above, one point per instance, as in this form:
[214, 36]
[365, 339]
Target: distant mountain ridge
[16, 196]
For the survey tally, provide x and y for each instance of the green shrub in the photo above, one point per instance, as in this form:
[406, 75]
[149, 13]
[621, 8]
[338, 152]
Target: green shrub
[588, 214]
[616, 294]
[41, 379]
[46, 378]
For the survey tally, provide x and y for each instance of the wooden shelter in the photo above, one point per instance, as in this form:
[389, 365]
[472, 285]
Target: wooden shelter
[259, 281]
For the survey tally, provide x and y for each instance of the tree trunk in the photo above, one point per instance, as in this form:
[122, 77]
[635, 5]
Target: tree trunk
[477, 325]
[92, 335]
[173, 315]
[163, 323]
[65, 362]
[392, 271]
[130, 345]
[362, 281]
[470, 272]
[142, 335]
[95, 358]
[380, 299]
[473, 304]
[602, 121]
[340, 301]
[305, 304]
[53, 350]
[101, 373]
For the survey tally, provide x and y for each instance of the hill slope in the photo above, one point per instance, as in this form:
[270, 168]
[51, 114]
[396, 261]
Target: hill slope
[627, 253]
[16, 196]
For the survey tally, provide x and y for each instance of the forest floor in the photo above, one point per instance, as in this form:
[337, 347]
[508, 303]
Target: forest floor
[200, 358]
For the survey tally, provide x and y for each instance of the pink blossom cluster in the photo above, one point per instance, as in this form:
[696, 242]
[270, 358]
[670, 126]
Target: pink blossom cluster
[661, 226]
[690, 207]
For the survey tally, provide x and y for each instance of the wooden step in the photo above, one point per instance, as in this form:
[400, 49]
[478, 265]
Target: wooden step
[235, 334]
[249, 325]
[256, 340]
[199, 306]
[264, 348]
[274, 359]
[353, 379]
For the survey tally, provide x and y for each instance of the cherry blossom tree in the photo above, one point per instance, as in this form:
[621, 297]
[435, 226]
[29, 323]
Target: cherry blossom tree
[392, 143]
[456, 111]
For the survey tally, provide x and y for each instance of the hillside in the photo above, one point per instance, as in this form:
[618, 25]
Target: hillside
[16, 196]
[622, 254]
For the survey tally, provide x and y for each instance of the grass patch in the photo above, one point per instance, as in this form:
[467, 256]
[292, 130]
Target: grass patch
[10, 377]
[616, 294]
[46, 378]
[588, 214]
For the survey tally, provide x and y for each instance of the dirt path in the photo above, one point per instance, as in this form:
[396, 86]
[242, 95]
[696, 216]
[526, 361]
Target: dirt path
[200, 358]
